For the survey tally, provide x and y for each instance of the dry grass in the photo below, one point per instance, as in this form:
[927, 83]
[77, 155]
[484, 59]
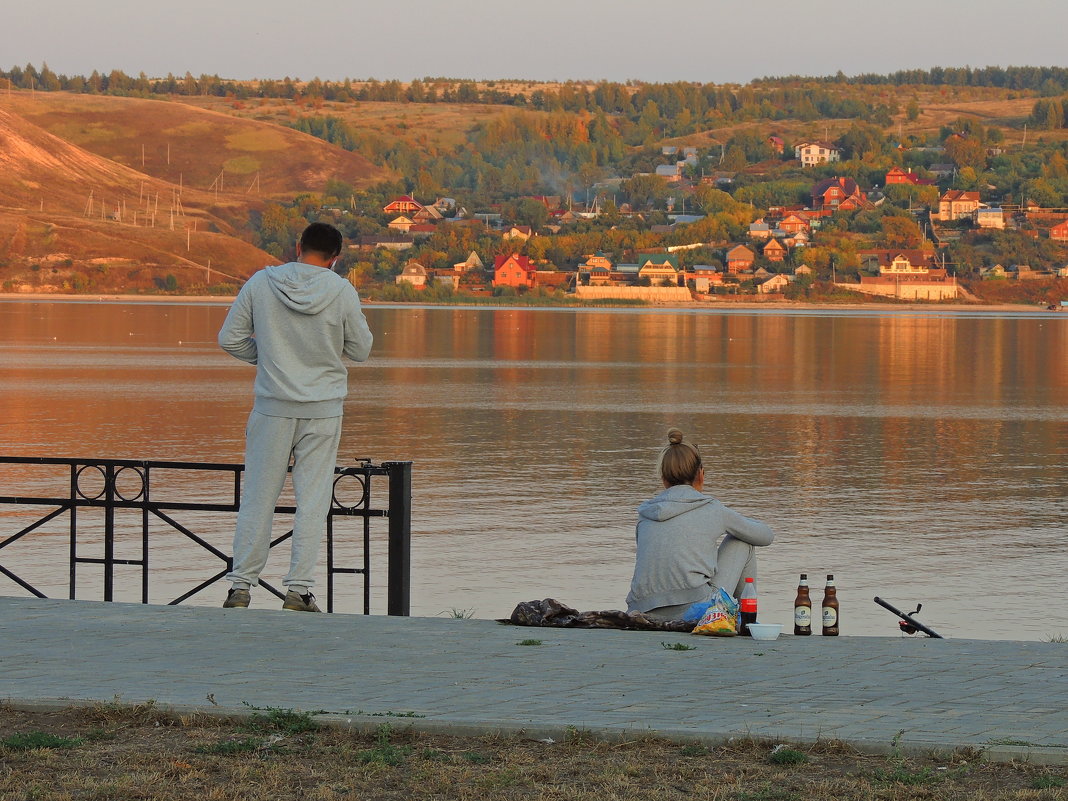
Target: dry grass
[143, 753]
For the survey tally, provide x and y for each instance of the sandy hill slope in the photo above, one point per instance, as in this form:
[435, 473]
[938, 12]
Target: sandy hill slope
[78, 211]
[192, 146]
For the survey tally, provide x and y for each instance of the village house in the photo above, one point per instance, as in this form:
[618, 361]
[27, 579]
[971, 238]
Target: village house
[774, 284]
[401, 224]
[1059, 232]
[793, 223]
[523, 232]
[908, 275]
[427, 214]
[776, 144]
[472, 262]
[391, 241]
[835, 194]
[990, 218]
[774, 250]
[804, 269]
[813, 153]
[659, 269]
[739, 259]
[997, 271]
[670, 172]
[403, 205]
[422, 230]
[413, 273]
[513, 270]
[957, 204]
[897, 262]
[758, 229]
[446, 278]
[896, 175]
[596, 270]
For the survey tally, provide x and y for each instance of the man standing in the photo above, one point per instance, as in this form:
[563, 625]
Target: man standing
[294, 322]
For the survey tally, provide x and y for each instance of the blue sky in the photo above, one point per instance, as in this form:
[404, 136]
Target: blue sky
[717, 41]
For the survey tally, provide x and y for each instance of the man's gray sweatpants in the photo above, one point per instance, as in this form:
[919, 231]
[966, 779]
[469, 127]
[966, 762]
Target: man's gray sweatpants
[269, 444]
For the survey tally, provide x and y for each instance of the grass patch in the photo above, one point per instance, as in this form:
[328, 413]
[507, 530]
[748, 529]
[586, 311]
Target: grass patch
[230, 747]
[677, 646]
[1048, 782]
[529, 642]
[38, 739]
[283, 721]
[787, 756]
[384, 751]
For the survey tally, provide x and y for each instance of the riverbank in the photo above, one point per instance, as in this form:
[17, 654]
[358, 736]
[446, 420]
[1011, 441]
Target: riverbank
[793, 305]
[465, 677]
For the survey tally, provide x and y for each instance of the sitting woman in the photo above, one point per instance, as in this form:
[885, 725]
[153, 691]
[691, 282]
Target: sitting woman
[678, 562]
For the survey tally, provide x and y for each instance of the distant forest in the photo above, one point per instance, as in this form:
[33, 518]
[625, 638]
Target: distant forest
[679, 107]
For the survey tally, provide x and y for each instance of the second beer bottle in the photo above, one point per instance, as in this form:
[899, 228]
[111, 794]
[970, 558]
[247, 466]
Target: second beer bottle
[830, 608]
[803, 609]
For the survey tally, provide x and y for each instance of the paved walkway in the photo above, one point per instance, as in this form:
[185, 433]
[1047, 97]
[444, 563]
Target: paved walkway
[468, 676]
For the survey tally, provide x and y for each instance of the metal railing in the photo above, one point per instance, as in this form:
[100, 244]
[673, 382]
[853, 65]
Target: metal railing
[112, 485]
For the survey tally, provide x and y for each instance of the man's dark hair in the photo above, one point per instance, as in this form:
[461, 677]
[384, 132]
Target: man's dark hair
[321, 238]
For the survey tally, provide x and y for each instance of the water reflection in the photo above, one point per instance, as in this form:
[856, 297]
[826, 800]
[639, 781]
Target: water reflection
[918, 457]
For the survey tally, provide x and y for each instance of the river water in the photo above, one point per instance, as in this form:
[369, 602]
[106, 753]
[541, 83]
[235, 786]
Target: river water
[919, 456]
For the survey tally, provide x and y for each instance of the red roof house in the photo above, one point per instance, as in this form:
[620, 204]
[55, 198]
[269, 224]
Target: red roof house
[514, 271]
[896, 175]
[405, 205]
[838, 193]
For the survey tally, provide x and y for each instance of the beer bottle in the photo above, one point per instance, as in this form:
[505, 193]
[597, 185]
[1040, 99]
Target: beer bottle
[830, 609]
[803, 609]
[747, 607]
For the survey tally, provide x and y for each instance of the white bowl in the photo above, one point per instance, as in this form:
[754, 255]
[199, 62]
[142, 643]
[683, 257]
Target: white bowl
[765, 631]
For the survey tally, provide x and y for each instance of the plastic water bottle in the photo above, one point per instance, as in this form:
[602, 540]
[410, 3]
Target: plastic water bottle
[747, 606]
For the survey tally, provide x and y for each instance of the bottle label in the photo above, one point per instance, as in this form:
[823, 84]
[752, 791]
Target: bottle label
[802, 616]
[830, 617]
[748, 605]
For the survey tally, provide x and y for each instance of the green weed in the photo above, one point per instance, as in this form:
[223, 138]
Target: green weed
[38, 739]
[384, 752]
[529, 642]
[1047, 782]
[285, 721]
[230, 747]
[787, 756]
[677, 646]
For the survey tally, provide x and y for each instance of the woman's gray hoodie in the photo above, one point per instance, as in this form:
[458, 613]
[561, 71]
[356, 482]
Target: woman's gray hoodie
[294, 322]
[678, 534]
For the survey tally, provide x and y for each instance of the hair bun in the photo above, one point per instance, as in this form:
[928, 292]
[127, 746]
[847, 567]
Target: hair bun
[674, 436]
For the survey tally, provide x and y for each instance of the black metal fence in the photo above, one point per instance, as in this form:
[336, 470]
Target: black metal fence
[111, 485]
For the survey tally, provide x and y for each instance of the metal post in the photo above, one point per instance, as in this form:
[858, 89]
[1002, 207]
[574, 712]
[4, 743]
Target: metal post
[400, 538]
[109, 532]
[72, 591]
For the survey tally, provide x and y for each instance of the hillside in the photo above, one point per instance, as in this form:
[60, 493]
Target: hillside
[79, 211]
[192, 146]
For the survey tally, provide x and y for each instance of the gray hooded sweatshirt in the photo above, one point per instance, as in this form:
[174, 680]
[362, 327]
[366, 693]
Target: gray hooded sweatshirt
[294, 322]
[678, 533]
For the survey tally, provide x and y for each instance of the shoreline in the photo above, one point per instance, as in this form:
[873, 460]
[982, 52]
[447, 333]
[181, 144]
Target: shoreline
[792, 305]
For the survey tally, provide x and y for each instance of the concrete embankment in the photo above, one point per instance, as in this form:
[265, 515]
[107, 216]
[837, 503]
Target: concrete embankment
[473, 676]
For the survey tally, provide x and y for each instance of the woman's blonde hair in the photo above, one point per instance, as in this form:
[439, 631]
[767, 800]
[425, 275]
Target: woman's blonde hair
[680, 461]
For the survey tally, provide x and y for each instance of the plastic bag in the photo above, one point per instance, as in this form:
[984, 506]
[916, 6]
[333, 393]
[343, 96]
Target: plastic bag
[721, 617]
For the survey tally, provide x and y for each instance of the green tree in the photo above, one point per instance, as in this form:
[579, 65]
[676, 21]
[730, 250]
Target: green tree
[901, 232]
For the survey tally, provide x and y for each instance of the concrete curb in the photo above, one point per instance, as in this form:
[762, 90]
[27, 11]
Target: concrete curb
[368, 724]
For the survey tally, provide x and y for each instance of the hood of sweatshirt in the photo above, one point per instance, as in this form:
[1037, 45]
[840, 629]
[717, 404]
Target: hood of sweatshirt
[672, 502]
[304, 288]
